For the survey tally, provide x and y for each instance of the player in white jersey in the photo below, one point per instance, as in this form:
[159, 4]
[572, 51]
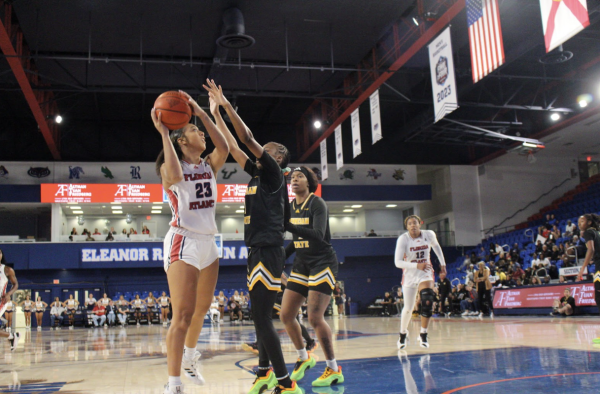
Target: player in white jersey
[190, 252]
[413, 251]
[7, 274]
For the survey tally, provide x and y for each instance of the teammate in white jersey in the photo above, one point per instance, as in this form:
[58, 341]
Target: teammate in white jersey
[7, 274]
[413, 251]
[190, 253]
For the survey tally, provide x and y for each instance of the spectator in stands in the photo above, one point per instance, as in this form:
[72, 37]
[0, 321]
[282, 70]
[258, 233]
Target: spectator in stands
[519, 282]
[111, 313]
[112, 231]
[502, 264]
[122, 312]
[564, 306]
[496, 251]
[444, 287]
[570, 229]
[482, 255]
[515, 253]
[579, 246]
[110, 237]
[549, 222]
[517, 273]
[561, 248]
[545, 250]
[555, 233]
[492, 267]
[399, 301]
[70, 238]
[466, 262]
[538, 247]
[85, 232]
[534, 281]
[122, 301]
[89, 238]
[552, 219]
[90, 302]
[387, 303]
[474, 259]
[74, 231]
[124, 232]
[527, 277]
[99, 313]
[562, 279]
[546, 280]
[96, 232]
[555, 254]
[338, 295]
[469, 272]
[468, 306]
[145, 230]
[372, 233]
[132, 231]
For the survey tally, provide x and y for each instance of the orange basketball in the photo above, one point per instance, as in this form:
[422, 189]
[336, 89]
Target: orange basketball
[175, 109]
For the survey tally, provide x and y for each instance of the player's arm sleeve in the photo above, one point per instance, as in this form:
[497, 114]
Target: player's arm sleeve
[437, 249]
[272, 174]
[250, 167]
[319, 219]
[399, 257]
[290, 249]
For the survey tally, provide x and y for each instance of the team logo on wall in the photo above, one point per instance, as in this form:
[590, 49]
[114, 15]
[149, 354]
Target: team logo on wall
[399, 175]
[107, 173]
[441, 70]
[317, 172]
[38, 172]
[3, 172]
[74, 172]
[228, 174]
[372, 173]
[135, 172]
[347, 174]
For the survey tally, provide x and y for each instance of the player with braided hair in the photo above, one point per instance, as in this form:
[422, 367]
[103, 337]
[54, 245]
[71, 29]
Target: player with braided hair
[590, 232]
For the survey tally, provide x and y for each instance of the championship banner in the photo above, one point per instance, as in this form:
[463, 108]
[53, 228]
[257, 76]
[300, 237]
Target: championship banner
[355, 121]
[324, 172]
[443, 83]
[543, 296]
[375, 117]
[562, 20]
[339, 151]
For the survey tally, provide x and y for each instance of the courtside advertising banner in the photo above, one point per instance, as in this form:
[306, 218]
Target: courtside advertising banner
[339, 151]
[355, 121]
[543, 296]
[443, 83]
[324, 172]
[375, 117]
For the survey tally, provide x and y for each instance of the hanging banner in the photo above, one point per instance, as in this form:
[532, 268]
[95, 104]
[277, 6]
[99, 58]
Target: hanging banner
[324, 172]
[443, 83]
[355, 121]
[375, 117]
[562, 20]
[339, 152]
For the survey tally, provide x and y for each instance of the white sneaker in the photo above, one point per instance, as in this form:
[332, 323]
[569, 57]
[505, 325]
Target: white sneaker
[173, 389]
[39, 328]
[473, 314]
[14, 341]
[138, 323]
[465, 313]
[70, 327]
[402, 344]
[423, 342]
[222, 321]
[190, 368]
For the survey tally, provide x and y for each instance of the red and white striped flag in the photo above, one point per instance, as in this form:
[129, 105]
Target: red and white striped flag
[562, 19]
[485, 37]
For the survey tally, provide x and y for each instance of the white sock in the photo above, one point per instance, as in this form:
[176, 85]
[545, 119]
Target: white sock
[302, 354]
[332, 364]
[11, 336]
[423, 330]
[188, 352]
[174, 381]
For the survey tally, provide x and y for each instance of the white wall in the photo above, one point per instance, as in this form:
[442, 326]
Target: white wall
[510, 183]
[231, 224]
[441, 198]
[338, 224]
[383, 220]
[466, 205]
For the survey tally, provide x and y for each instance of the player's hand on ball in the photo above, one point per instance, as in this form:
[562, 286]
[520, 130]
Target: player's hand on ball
[157, 119]
[196, 110]
[215, 92]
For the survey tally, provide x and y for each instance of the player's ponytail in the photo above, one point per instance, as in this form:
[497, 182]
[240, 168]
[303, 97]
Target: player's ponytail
[594, 220]
[175, 135]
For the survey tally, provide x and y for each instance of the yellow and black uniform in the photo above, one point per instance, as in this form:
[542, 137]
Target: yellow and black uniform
[592, 234]
[266, 209]
[266, 205]
[316, 265]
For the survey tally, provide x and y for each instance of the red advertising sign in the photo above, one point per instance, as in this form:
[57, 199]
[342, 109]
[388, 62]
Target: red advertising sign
[543, 296]
[101, 193]
[236, 192]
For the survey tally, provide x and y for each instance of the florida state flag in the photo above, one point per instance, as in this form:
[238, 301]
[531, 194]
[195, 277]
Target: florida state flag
[562, 19]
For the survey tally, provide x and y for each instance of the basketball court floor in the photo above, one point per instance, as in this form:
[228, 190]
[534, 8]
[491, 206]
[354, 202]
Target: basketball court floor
[467, 355]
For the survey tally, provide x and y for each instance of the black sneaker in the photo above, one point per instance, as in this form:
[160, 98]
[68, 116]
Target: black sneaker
[312, 346]
[402, 341]
[423, 340]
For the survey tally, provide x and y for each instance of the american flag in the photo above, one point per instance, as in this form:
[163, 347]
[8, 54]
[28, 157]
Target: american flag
[485, 37]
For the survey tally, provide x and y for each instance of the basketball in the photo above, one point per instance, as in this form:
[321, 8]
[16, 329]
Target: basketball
[175, 110]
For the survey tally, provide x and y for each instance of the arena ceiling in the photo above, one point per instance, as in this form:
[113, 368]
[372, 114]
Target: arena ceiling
[101, 65]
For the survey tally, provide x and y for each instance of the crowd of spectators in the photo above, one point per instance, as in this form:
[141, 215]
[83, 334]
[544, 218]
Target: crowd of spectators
[109, 234]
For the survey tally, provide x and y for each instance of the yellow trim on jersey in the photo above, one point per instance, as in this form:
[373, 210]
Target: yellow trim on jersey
[298, 275]
[324, 276]
[262, 274]
[305, 284]
[597, 276]
[303, 204]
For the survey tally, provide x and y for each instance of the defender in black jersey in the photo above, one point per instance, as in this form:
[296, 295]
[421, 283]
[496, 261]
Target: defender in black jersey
[589, 224]
[266, 208]
[313, 275]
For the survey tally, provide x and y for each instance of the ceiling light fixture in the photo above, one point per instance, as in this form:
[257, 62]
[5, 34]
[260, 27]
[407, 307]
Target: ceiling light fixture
[317, 124]
[348, 210]
[116, 207]
[156, 203]
[77, 212]
[391, 205]
[58, 119]
[239, 211]
[117, 203]
[583, 103]
[356, 206]
[75, 207]
[415, 21]
[555, 116]
[153, 211]
[117, 212]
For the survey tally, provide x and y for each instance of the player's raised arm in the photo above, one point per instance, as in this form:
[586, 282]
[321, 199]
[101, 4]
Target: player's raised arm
[170, 171]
